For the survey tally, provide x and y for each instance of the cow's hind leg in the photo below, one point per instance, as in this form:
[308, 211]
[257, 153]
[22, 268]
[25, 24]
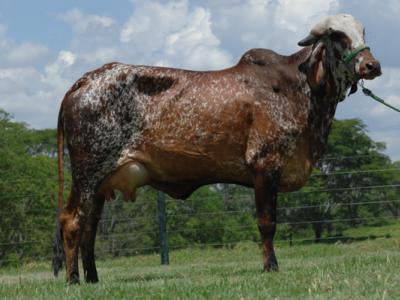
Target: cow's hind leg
[88, 239]
[266, 191]
[72, 220]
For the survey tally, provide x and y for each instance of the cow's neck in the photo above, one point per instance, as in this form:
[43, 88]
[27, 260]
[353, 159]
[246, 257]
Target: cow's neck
[328, 80]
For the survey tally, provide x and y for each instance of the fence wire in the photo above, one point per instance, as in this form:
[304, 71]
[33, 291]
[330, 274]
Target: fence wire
[123, 234]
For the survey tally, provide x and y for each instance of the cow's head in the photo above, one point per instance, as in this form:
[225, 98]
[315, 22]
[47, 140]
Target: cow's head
[340, 39]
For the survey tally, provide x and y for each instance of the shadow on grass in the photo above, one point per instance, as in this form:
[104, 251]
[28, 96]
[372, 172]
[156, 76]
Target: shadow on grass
[342, 239]
[149, 277]
[177, 276]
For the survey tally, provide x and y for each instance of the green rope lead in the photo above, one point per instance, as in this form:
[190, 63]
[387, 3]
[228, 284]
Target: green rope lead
[368, 92]
[347, 59]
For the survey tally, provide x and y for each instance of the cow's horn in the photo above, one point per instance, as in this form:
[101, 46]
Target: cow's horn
[309, 40]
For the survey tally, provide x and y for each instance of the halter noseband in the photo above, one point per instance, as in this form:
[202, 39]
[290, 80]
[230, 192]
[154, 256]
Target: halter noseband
[352, 54]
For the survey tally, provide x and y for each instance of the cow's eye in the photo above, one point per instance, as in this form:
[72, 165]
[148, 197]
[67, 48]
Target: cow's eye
[338, 35]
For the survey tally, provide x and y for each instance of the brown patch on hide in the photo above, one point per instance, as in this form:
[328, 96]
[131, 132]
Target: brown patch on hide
[153, 85]
[121, 77]
[259, 62]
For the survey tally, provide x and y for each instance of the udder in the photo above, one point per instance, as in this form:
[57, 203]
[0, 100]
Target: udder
[126, 179]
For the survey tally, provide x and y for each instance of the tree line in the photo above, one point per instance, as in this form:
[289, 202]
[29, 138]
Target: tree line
[355, 184]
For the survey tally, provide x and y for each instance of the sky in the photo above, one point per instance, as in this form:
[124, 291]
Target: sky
[46, 45]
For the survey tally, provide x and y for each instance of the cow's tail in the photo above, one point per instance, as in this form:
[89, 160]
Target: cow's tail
[58, 245]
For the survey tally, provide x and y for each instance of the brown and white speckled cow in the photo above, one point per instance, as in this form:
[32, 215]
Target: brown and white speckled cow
[262, 123]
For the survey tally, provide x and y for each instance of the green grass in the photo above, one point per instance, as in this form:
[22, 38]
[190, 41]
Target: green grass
[366, 269]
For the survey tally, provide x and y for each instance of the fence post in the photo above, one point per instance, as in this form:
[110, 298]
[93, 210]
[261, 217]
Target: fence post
[162, 222]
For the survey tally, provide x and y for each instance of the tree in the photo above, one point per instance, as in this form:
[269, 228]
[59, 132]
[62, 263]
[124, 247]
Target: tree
[350, 165]
[27, 190]
[340, 191]
[393, 195]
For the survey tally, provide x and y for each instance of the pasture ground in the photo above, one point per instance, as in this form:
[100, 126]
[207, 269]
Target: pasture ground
[364, 269]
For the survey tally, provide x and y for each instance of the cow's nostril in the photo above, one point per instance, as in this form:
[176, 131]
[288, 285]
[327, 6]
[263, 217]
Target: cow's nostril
[370, 66]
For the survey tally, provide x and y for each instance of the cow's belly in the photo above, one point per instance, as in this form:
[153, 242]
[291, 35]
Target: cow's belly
[190, 168]
[181, 170]
[194, 167]
[186, 165]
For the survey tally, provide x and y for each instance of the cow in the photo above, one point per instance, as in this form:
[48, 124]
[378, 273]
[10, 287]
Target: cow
[262, 123]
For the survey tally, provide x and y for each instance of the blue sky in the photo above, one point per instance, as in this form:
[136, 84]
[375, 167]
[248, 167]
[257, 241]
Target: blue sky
[46, 45]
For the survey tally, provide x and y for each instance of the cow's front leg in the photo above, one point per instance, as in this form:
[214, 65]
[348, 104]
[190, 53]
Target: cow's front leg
[88, 240]
[72, 219]
[266, 191]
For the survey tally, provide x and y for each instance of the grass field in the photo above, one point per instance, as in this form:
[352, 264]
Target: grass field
[366, 269]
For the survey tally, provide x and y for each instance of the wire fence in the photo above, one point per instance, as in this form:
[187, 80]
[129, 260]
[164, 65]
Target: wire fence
[132, 228]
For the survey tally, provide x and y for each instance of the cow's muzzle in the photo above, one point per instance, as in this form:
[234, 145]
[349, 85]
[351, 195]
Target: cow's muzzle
[369, 67]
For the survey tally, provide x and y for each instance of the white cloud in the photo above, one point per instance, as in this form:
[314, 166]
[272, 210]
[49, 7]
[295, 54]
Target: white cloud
[95, 40]
[17, 80]
[195, 46]
[152, 20]
[66, 58]
[297, 15]
[180, 34]
[277, 25]
[25, 96]
[14, 54]
[172, 34]
[30, 94]
[25, 53]
[55, 72]
[82, 23]
[22, 92]
[101, 55]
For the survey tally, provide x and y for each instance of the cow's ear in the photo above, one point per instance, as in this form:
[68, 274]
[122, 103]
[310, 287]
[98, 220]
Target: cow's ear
[311, 39]
[310, 59]
[315, 35]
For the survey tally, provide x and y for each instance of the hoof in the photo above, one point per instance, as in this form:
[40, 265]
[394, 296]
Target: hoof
[272, 264]
[92, 279]
[73, 280]
[271, 267]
